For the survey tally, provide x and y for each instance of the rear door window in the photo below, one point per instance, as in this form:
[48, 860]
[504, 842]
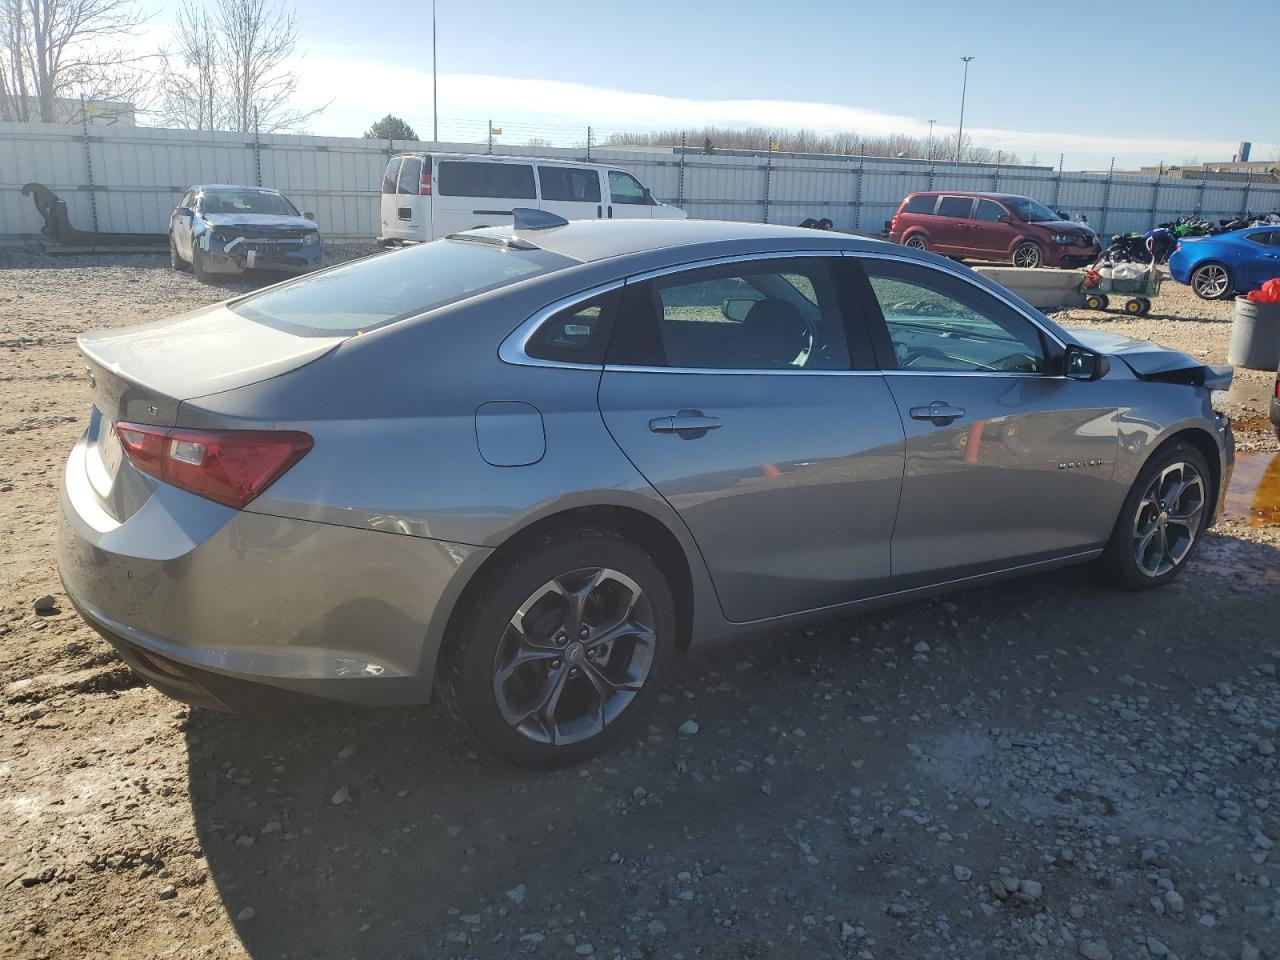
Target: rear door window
[392, 174]
[958, 207]
[410, 174]
[476, 178]
[580, 184]
[924, 203]
[775, 314]
[989, 211]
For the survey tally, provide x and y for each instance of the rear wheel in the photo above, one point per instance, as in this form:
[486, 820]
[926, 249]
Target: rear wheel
[1133, 307]
[1095, 301]
[1027, 254]
[561, 652]
[916, 242]
[1211, 281]
[1161, 520]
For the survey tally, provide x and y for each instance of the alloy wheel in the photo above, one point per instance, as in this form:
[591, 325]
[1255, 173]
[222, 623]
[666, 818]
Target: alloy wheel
[916, 242]
[1167, 521]
[1211, 281]
[574, 655]
[1026, 255]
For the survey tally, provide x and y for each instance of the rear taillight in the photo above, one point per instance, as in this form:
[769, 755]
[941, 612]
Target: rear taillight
[1278, 386]
[424, 184]
[229, 466]
[893, 224]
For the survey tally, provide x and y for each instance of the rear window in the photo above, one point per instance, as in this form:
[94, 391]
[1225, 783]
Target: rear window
[467, 178]
[921, 204]
[392, 286]
[955, 207]
[389, 178]
[410, 174]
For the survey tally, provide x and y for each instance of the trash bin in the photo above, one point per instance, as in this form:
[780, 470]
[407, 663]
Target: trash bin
[1255, 336]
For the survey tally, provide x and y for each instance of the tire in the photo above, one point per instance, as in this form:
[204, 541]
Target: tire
[1146, 305]
[197, 264]
[175, 261]
[1212, 281]
[1095, 301]
[1140, 531]
[1027, 254]
[592, 703]
[1133, 307]
[916, 242]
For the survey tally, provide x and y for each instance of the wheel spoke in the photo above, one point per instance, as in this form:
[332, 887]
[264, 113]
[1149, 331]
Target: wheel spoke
[604, 686]
[1186, 518]
[544, 711]
[526, 654]
[626, 628]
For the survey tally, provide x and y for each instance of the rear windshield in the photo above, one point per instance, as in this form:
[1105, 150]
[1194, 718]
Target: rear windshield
[392, 286]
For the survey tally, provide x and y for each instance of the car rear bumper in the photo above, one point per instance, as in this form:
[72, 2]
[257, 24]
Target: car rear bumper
[230, 608]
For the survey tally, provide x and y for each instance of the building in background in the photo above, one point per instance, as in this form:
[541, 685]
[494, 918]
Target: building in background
[69, 110]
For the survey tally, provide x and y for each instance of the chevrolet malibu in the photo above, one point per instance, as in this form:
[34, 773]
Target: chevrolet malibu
[523, 468]
[222, 229]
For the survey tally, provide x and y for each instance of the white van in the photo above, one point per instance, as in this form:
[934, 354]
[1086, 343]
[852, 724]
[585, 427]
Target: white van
[425, 196]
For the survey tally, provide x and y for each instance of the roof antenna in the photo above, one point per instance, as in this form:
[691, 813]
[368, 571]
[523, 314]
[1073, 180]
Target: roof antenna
[529, 218]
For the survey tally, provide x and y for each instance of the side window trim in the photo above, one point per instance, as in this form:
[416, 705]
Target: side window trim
[879, 330]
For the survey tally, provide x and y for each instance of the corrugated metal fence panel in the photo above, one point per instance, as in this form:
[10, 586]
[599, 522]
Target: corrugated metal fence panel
[140, 172]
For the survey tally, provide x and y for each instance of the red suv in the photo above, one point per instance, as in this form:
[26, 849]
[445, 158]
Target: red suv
[992, 226]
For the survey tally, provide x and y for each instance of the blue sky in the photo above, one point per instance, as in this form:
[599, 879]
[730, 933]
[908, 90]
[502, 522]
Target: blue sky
[1040, 84]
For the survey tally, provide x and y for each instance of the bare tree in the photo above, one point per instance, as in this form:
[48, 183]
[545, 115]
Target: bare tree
[192, 95]
[51, 49]
[258, 40]
[230, 58]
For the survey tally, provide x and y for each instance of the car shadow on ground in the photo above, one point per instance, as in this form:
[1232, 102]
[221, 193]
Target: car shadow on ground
[384, 834]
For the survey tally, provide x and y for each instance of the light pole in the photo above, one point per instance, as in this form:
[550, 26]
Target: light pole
[963, 90]
[435, 113]
[929, 149]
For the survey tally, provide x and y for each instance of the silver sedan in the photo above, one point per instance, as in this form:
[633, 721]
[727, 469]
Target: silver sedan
[524, 468]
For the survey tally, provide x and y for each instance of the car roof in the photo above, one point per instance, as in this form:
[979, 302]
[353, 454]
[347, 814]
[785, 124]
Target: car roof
[232, 186]
[971, 193]
[501, 158]
[591, 240]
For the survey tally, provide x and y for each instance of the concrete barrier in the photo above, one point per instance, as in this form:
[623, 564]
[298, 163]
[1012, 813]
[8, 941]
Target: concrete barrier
[1042, 287]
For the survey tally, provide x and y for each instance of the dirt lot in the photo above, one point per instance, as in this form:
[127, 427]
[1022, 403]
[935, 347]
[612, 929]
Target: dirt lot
[1042, 769]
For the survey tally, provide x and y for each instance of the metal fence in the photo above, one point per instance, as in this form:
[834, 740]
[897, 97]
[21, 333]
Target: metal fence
[128, 180]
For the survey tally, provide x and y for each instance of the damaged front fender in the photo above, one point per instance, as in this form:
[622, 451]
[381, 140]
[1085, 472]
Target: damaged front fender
[1150, 361]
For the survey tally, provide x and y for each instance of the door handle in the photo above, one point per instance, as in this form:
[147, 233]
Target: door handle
[940, 413]
[689, 424]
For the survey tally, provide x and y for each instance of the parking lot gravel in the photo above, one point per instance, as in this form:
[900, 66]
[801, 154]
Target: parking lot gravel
[1046, 768]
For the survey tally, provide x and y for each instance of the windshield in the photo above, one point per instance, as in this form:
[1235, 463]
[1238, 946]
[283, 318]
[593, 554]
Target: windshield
[247, 201]
[1032, 211]
[392, 286]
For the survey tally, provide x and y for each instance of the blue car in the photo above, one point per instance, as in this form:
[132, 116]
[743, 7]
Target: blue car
[1236, 262]
[225, 229]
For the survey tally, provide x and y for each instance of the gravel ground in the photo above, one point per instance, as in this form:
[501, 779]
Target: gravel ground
[1041, 769]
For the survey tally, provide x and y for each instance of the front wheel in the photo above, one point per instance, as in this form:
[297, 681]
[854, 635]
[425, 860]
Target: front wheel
[561, 651]
[1027, 254]
[197, 263]
[1161, 520]
[1211, 281]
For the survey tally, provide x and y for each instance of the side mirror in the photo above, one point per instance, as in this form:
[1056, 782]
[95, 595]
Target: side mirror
[1079, 363]
[183, 212]
[736, 308]
[309, 215]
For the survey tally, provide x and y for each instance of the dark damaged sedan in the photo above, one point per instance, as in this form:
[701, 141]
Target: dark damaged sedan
[223, 229]
[526, 468]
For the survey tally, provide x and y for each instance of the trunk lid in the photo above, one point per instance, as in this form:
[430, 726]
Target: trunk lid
[142, 374]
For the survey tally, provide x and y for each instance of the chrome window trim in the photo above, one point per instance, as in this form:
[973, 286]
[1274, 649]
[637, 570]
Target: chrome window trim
[512, 349]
